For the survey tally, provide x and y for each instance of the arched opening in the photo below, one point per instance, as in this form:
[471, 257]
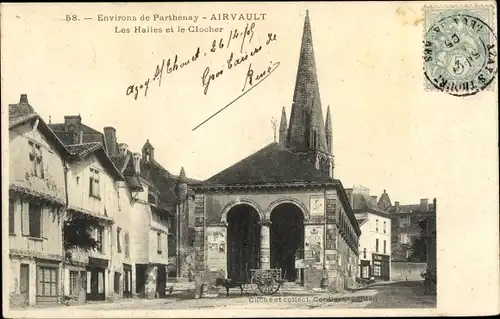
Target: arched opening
[287, 238]
[243, 242]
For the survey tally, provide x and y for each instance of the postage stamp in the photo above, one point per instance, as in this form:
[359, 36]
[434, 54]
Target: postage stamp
[460, 49]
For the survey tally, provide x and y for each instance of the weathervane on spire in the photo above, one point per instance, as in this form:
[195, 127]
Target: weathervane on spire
[273, 123]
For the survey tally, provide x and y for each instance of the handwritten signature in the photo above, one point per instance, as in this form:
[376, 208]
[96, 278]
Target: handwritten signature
[249, 79]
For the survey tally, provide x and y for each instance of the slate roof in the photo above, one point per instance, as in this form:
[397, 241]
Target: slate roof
[362, 202]
[412, 208]
[272, 164]
[89, 134]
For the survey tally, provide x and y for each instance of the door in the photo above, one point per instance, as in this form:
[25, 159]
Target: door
[127, 281]
[97, 284]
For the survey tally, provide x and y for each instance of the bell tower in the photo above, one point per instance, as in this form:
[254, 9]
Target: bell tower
[308, 135]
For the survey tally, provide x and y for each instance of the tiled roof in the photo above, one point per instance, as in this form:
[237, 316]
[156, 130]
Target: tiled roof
[83, 149]
[22, 112]
[272, 164]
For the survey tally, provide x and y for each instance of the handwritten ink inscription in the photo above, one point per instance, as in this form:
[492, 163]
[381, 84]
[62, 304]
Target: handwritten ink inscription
[242, 39]
[176, 63]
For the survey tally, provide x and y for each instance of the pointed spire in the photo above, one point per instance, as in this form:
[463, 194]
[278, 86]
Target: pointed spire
[181, 187]
[306, 118]
[328, 130]
[182, 177]
[283, 127]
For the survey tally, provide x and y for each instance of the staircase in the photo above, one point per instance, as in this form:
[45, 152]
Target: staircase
[291, 287]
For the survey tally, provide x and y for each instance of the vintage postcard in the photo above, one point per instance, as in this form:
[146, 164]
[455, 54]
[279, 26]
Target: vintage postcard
[249, 159]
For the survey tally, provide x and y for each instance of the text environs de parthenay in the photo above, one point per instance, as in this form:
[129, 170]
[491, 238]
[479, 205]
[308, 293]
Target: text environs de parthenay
[179, 17]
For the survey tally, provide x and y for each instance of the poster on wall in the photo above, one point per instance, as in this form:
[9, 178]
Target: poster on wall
[317, 206]
[314, 243]
[331, 237]
[216, 254]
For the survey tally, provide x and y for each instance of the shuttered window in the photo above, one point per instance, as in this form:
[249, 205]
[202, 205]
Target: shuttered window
[24, 275]
[12, 214]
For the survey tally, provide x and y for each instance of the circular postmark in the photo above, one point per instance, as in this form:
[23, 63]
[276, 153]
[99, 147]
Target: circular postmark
[460, 55]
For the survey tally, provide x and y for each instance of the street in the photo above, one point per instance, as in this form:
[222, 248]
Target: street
[379, 295]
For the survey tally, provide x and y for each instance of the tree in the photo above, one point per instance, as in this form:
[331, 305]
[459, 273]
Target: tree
[77, 232]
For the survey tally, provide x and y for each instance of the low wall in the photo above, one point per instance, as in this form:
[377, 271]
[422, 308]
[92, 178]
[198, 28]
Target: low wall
[401, 271]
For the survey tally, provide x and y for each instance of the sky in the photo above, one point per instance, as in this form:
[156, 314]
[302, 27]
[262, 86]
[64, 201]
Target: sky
[388, 131]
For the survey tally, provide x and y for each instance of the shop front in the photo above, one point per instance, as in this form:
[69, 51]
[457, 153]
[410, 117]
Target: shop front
[381, 267]
[96, 279]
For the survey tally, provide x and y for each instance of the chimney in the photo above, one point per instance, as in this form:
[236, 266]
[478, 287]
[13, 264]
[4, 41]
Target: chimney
[110, 137]
[348, 192]
[24, 99]
[424, 204]
[396, 206]
[137, 162]
[72, 119]
[374, 199]
[123, 147]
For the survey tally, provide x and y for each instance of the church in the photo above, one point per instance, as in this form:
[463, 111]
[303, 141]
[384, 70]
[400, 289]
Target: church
[281, 207]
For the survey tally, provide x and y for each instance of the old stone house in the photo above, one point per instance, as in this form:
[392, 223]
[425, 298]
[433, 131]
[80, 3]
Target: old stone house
[37, 198]
[375, 240]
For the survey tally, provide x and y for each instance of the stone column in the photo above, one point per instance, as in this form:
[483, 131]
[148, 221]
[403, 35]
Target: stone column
[265, 245]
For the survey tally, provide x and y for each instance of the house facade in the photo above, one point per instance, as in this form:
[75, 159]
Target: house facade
[93, 189]
[37, 200]
[405, 228]
[375, 240]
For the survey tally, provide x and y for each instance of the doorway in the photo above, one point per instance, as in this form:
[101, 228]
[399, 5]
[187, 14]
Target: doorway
[95, 291]
[243, 242]
[287, 238]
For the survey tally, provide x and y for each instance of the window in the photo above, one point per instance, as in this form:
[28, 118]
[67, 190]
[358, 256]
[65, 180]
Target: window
[12, 214]
[117, 282]
[385, 246]
[376, 225]
[404, 221]
[127, 248]
[36, 159]
[73, 283]
[47, 281]
[118, 243]
[376, 245]
[403, 238]
[158, 242]
[24, 278]
[364, 253]
[385, 227]
[35, 220]
[94, 186]
[99, 237]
